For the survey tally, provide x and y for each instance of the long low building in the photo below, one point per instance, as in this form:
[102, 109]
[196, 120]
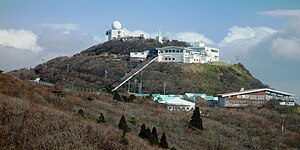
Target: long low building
[193, 54]
[255, 97]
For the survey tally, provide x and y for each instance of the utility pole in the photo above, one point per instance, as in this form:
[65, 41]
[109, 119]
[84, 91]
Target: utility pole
[282, 123]
[68, 67]
[237, 59]
[141, 83]
[165, 84]
[128, 90]
[135, 81]
[52, 74]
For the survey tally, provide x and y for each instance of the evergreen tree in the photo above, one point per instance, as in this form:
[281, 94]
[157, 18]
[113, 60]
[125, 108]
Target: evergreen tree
[101, 119]
[163, 142]
[196, 121]
[123, 125]
[154, 136]
[117, 97]
[143, 133]
[148, 134]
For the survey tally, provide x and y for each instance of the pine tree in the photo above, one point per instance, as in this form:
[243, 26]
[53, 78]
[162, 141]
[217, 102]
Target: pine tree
[143, 133]
[117, 97]
[196, 121]
[123, 125]
[101, 119]
[154, 136]
[163, 142]
[148, 134]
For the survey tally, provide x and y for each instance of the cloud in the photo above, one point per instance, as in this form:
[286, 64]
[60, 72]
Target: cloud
[245, 33]
[20, 39]
[66, 26]
[136, 33]
[240, 41]
[189, 37]
[181, 36]
[286, 42]
[295, 12]
[22, 48]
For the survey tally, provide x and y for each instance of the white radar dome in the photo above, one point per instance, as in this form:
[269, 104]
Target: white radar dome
[116, 25]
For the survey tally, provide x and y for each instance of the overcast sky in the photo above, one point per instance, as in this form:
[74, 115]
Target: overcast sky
[264, 34]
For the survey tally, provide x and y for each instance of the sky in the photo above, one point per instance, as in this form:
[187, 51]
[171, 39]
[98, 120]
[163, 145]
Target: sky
[264, 34]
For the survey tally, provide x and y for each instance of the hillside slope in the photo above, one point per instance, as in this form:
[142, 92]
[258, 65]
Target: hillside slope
[103, 64]
[34, 117]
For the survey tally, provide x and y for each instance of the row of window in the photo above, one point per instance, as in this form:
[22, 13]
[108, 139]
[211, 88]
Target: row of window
[169, 58]
[172, 51]
[258, 97]
[244, 102]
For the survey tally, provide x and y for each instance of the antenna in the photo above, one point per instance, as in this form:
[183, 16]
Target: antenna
[237, 59]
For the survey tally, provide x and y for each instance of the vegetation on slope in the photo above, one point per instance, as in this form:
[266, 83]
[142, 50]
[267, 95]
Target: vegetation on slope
[103, 64]
[34, 117]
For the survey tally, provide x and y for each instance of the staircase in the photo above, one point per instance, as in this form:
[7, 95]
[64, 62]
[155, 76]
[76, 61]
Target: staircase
[133, 72]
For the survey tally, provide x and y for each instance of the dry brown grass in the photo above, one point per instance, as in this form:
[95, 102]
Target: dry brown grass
[32, 117]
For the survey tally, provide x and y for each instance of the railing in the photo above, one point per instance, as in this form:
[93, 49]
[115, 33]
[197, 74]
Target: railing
[133, 72]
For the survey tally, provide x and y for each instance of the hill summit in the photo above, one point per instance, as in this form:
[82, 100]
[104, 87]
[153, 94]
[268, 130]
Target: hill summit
[103, 64]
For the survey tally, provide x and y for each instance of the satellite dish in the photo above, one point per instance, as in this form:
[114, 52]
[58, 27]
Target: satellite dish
[116, 25]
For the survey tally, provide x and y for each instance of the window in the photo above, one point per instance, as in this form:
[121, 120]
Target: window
[170, 51]
[214, 50]
[135, 53]
[173, 51]
[169, 58]
[177, 51]
[239, 96]
[162, 51]
[166, 58]
[142, 53]
[245, 96]
[253, 96]
[166, 51]
[181, 51]
[261, 97]
[173, 58]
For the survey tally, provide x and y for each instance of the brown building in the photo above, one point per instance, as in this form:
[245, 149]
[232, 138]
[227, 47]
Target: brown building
[254, 97]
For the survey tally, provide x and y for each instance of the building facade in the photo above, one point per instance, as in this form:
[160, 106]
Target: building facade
[254, 97]
[115, 32]
[188, 54]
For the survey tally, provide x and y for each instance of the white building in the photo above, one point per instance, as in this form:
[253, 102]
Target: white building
[188, 54]
[138, 56]
[115, 32]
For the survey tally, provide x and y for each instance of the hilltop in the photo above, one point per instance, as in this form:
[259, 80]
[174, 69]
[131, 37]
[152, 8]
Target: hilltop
[37, 116]
[103, 64]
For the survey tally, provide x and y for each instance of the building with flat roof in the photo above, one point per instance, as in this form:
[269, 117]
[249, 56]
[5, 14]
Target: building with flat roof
[254, 97]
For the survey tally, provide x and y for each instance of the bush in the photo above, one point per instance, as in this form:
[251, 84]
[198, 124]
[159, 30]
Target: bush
[80, 112]
[123, 125]
[90, 98]
[154, 139]
[163, 142]
[58, 92]
[143, 132]
[196, 120]
[101, 119]
[132, 121]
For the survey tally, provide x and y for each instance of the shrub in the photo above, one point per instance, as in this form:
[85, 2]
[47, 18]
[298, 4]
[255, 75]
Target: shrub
[58, 92]
[143, 133]
[123, 124]
[90, 98]
[132, 121]
[163, 142]
[154, 139]
[117, 97]
[101, 119]
[196, 120]
[80, 112]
